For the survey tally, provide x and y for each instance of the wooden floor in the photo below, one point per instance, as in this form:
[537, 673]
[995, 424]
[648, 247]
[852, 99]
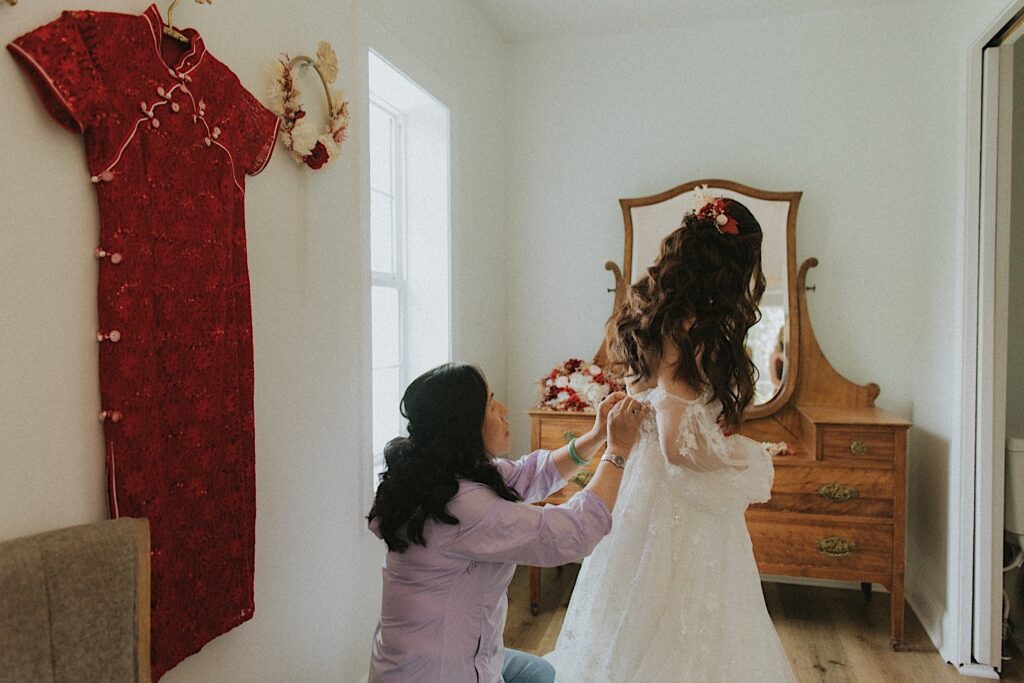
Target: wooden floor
[830, 634]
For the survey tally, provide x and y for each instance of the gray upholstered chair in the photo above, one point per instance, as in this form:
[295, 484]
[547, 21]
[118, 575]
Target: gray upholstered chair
[74, 604]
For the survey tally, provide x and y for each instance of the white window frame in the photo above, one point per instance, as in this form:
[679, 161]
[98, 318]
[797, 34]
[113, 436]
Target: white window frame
[397, 279]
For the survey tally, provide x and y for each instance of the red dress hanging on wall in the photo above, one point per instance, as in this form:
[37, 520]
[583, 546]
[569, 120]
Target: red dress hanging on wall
[170, 135]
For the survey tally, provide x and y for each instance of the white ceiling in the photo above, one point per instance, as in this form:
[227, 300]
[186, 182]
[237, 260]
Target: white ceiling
[531, 19]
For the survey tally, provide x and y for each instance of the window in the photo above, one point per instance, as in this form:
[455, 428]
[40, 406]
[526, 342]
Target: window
[409, 241]
[388, 296]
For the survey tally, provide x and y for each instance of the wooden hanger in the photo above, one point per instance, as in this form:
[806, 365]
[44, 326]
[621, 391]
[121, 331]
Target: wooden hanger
[169, 29]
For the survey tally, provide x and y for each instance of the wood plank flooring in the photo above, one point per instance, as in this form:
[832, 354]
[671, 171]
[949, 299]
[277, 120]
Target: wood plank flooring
[831, 635]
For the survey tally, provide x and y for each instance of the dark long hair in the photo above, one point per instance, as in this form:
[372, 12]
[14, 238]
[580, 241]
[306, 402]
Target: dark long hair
[702, 293]
[445, 408]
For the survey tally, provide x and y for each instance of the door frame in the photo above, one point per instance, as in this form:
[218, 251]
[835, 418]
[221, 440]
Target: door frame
[981, 479]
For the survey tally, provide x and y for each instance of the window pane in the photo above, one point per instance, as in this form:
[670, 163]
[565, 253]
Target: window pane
[386, 415]
[386, 328]
[380, 149]
[382, 234]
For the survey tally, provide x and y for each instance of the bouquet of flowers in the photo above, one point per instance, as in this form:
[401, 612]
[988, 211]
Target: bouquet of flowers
[575, 385]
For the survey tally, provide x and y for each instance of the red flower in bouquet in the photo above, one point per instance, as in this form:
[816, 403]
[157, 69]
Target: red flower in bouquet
[575, 385]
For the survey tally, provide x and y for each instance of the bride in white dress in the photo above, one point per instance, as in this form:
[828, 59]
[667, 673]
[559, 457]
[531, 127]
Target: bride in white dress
[673, 593]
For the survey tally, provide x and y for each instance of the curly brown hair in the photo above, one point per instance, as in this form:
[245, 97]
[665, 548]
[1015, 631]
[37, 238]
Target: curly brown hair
[702, 294]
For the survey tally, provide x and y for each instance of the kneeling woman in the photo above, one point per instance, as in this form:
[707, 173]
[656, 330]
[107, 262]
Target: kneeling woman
[456, 520]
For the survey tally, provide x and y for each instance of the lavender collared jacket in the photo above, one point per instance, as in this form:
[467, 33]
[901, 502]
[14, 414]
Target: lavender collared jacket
[443, 607]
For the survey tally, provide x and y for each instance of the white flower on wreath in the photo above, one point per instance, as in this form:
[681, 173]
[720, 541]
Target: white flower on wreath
[304, 136]
[562, 381]
[595, 370]
[328, 141]
[562, 396]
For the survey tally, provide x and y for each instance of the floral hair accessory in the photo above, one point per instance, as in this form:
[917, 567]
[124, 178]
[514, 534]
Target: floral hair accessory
[708, 206]
[575, 385]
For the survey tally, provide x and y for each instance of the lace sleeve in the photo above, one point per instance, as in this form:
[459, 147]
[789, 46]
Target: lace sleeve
[691, 438]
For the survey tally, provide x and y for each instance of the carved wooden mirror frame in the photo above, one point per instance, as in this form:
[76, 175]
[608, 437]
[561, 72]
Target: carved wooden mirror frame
[794, 282]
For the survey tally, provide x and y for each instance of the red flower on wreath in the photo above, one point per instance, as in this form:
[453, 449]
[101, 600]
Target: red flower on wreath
[318, 157]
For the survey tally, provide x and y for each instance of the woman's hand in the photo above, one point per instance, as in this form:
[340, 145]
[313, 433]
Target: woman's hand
[624, 422]
[605, 407]
[588, 444]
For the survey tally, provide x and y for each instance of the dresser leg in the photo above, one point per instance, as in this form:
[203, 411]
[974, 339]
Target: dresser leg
[865, 588]
[896, 613]
[535, 590]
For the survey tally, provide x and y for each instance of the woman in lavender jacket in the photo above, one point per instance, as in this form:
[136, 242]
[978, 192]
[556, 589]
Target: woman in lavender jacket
[456, 521]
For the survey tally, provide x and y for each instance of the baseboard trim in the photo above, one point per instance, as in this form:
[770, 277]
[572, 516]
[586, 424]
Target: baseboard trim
[979, 671]
[930, 613]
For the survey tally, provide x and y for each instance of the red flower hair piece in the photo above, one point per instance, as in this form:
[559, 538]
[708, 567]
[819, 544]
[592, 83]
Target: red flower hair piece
[710, 207]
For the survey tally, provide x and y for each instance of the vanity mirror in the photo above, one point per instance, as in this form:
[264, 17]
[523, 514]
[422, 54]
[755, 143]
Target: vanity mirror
[648, 220]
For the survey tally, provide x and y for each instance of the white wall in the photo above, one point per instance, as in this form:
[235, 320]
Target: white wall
[317, 580]
[861, 108]
[450, 49]
[805, 101]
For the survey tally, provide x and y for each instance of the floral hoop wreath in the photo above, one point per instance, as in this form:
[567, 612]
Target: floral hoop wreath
[298, 133]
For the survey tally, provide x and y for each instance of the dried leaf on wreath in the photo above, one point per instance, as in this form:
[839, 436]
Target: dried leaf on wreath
[327, 61]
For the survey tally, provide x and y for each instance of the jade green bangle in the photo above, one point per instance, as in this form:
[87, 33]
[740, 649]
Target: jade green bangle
[574, 455]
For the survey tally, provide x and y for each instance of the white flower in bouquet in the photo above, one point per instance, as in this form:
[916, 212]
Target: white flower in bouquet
[578, 382]
[595, 393]
[575, 385]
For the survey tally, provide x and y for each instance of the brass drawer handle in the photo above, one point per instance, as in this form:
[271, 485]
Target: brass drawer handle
[837, 493]
[833, 546]
[568, 436]
[583, 478]
[859, 448]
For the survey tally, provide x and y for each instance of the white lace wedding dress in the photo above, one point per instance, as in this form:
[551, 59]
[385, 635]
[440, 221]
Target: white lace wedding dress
[673, 593]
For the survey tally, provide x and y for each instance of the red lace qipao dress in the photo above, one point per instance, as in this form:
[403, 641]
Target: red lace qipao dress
[170, 135]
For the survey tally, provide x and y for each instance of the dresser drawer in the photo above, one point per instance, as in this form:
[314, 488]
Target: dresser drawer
[827, 549]
[832, 491]
[555, 429]
[858, 444]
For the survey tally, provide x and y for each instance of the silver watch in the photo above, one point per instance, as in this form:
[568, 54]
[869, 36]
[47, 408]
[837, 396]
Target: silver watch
[614, 459]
